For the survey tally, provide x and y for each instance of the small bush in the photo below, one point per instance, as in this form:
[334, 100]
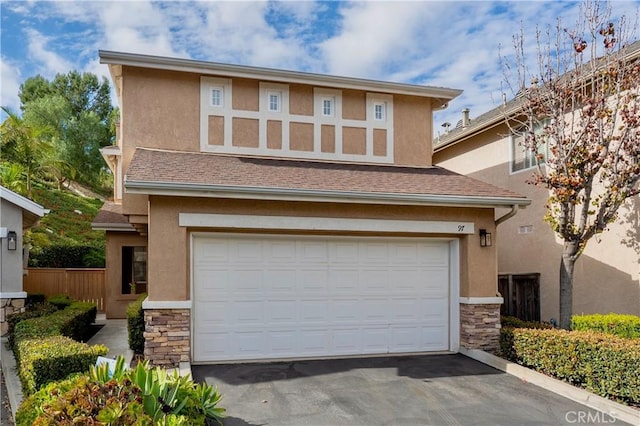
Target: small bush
[33, 300]
[141, 396]
[135, 325]
[627, 326]
[53, 358]
[60, 301]
[606, 365]
[35, 312]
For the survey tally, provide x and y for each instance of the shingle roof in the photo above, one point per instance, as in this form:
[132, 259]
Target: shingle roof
[110, 217]
[159, 167]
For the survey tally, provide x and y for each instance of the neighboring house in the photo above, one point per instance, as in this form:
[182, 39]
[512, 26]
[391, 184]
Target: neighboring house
[274, 214]
[17, 214]
[607, 273]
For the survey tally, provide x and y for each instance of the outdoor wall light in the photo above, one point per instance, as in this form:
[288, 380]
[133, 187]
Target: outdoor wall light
[485, 238]
[12, 240]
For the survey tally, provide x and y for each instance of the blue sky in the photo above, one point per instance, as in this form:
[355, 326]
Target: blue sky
[448, 44]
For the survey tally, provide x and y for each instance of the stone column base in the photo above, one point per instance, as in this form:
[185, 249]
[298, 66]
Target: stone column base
[167, 336]
[480, 326]
[8, 307]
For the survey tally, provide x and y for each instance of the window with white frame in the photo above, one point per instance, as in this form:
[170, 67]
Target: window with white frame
[522, 156]
[274, 101]
[379, 111]
[327, 107]
[217, 97]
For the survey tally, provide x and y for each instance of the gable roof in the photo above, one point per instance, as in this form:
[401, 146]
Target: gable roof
[441, 95]
[507, 110]
[180, 173]
[31, 210]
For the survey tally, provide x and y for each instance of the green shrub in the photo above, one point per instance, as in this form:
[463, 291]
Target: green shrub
[35, 312]
[68, 256]
[53, 358]
[606, 365]
[141, 396]
[135, 325]
[627, 326]
[506, 332]
[33, 300]
[60, 301]
[74, 321]
[44, 350]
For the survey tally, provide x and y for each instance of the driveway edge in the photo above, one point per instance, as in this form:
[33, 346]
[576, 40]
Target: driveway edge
[591, 400]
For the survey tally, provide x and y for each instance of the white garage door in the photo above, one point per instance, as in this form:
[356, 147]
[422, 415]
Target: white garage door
[271, 297]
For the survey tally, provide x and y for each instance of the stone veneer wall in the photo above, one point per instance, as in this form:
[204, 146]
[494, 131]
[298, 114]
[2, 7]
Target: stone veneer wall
[8, 307]
[480, 326]
[167, 336]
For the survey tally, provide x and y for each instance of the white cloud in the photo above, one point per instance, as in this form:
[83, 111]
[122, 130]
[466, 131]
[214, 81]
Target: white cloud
[9, 85]
[48, 62]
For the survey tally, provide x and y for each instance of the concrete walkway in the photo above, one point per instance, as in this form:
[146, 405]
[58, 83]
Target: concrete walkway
[113, 335]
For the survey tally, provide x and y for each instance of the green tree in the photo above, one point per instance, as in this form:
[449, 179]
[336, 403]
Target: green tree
[77, 107]
[26, 144]
[581, 103]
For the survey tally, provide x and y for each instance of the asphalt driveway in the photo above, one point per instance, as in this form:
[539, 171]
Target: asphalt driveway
[411, 390]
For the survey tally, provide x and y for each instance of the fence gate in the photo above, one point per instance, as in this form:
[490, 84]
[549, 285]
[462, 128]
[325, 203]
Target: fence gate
[521, 293]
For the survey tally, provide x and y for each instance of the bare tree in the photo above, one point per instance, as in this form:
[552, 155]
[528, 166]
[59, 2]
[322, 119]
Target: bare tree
[580, 116]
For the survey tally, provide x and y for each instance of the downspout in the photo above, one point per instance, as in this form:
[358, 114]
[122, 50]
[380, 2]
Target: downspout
[512, 213]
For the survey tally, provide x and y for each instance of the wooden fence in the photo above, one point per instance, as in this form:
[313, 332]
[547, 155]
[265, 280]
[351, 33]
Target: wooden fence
[521, 293]
[86, 285]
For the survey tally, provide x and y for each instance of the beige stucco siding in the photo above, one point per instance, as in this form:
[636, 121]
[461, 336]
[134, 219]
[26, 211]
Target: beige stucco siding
[606, 275]
[412, 131]
[168, 253]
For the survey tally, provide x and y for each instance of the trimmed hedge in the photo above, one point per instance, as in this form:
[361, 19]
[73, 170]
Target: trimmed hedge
[74, 322]
[606, 365]
[506, 333]
[53, 358]
[44, 348]
[135, 325]
[60, 301]
[14, 319]
[627, 326]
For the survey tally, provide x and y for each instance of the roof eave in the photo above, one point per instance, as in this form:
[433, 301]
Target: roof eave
[121, 227]
[285, 76]
[290, 194]
[22, 202]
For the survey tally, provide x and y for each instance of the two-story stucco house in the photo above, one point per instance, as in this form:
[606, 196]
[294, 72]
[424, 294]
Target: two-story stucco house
[606, 276]
[273, 214]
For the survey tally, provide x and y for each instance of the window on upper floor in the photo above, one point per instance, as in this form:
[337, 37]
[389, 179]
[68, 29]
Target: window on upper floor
[327, 107]
[275, 101]
[523, 157]
[379, 111]
[217, 97]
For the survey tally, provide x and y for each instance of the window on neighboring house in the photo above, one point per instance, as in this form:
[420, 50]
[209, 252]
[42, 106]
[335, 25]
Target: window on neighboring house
[217, 97]
[379, 111]
[523, 158]
[327, 107]
[275, 100]
[134, 270]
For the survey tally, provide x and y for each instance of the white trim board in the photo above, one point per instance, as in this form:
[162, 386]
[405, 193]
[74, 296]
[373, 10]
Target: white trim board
[13, 295]
[481, 300]
[205, 220]
[22, 202]
[166, 304]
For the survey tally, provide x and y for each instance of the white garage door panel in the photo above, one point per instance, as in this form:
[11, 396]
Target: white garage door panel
[261, 297]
